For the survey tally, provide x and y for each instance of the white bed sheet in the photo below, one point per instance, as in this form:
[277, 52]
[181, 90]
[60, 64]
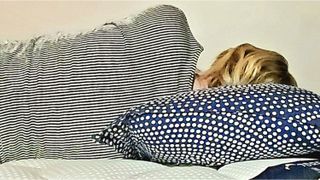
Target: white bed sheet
[121, 169]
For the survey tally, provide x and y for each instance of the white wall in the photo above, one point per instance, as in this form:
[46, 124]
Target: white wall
[290, 28]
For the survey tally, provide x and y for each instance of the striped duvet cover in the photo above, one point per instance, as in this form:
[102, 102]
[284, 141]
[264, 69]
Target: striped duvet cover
[55, 92]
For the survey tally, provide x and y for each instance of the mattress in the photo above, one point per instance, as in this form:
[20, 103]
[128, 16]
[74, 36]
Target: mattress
[40, 169]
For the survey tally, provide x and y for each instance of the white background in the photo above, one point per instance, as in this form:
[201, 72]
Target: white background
[290, 28]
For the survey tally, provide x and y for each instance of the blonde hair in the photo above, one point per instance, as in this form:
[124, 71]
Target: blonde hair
[247, 64]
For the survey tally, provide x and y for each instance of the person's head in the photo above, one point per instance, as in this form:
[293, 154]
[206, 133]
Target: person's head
[246, 64]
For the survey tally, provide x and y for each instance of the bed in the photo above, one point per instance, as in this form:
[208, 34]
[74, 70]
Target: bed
[56, 92]
[133, 169]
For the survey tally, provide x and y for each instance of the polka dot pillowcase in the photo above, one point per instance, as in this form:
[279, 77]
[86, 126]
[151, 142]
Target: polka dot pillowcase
[219, 126]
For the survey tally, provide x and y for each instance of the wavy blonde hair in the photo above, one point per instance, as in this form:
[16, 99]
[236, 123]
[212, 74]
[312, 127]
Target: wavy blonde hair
[247, 64]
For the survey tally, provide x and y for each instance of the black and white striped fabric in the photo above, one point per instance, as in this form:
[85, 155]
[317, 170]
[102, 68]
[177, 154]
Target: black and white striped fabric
[55, 93]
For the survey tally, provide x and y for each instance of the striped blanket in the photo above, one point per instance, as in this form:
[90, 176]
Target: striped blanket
[55, 92]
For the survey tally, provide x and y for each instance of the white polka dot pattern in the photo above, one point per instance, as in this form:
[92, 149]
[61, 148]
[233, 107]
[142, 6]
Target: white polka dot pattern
[221, 125]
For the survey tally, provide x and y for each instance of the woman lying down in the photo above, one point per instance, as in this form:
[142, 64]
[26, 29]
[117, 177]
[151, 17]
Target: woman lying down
[245, 64]
[246, 106]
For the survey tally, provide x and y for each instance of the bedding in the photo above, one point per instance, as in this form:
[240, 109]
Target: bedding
[51, 86]
[57, 91]
[293, 170]
[219, 126]
[124, 169]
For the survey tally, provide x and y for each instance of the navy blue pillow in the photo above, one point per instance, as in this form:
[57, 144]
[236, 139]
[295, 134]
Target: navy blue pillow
[218, 126]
